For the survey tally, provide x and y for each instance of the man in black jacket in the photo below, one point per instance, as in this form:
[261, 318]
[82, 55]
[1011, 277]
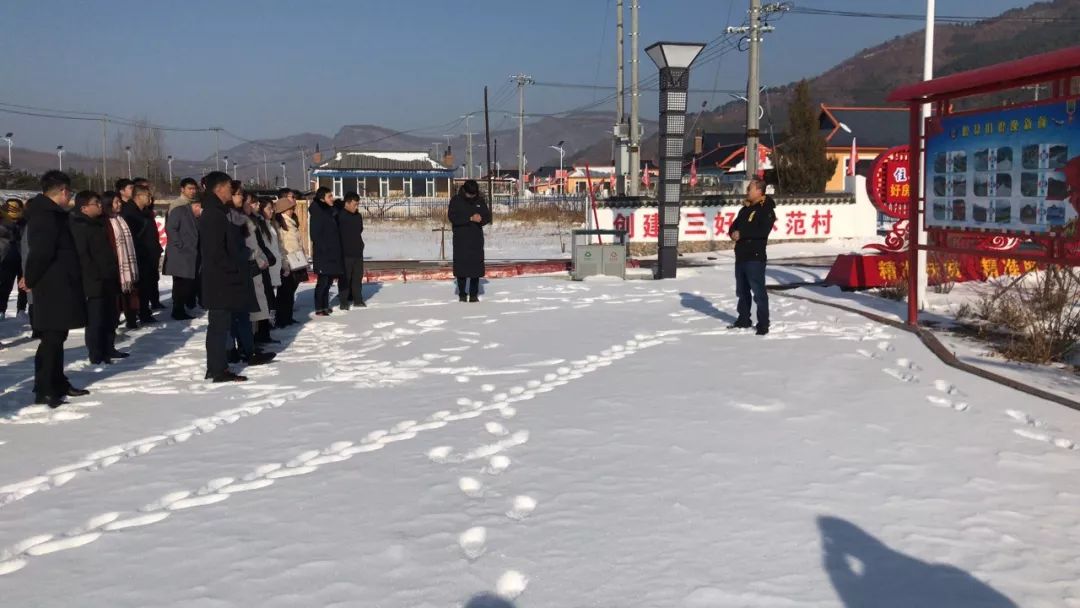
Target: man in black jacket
[147, 248]
[53, 277]
[225, 277]
[352, 246]
[750, 231]
[100, 275]
[142, 183]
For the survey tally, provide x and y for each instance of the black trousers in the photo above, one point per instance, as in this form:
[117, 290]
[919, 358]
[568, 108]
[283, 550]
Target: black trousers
[217, 336]
[286, 299]
[183, 295]
[195, 298]
[147, 286]
[153, 280]
[9, 277]
[352, 284]
[49, 378]
[322, 291]
[474, 286]
[100, 327]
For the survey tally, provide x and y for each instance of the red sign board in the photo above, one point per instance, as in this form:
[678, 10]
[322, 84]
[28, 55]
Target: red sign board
[889, 184]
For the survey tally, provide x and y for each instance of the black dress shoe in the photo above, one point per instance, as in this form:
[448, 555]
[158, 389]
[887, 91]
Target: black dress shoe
[227, 376]
[740, 325]
[53, 401]
[362, 304]
[76, 392]
[132, 325]
[148, 319]
[260, 358]
[474, 299]
[762, 330]
[345, 307]
[157, 306]
[118, 355]
[463, 298]
[182, 317]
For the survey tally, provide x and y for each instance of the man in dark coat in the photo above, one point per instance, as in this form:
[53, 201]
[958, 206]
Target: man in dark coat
[100, 275]
[12, 223]
[182, 252]
[53, 277]
[468, 214]
[750, 231]
[225, 278]
[147, 248]
[352, 247]
[148, 211]
[328, 262]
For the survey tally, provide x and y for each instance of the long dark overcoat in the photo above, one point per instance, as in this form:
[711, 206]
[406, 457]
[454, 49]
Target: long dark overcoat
[468, 235]
[53, 273]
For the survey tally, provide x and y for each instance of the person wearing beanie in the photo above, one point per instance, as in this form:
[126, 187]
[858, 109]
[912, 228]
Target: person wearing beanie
[468, 214]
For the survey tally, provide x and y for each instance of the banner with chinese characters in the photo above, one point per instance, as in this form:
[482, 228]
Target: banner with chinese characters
[793, 222]
[1010, 170]
[866, 271]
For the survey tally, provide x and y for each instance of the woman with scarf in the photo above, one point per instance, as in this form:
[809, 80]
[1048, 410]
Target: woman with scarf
[270, 244]
[121, 240]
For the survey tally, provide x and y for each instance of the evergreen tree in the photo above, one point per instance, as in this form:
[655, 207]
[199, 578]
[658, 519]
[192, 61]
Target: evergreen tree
[801, 162]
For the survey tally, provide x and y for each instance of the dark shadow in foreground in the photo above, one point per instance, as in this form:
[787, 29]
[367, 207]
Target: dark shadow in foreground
[487, 600]
[705, 307]
[868, 574]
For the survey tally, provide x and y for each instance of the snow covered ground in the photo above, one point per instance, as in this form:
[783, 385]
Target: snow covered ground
[560, 443]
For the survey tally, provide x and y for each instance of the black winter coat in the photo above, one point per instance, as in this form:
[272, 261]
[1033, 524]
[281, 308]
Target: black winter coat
[53, 273]
[755, 224]
[352, 234]
[145, 234]
[468, 235]
[325, 240]
[226, 279]
[11, 261]
[97, 256]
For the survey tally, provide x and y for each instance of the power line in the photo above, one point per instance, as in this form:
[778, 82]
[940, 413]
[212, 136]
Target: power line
[822, 12]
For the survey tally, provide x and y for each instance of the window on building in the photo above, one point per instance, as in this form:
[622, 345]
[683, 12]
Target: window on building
[384, 187]
[338, 188]
[429, 189]
[407, 187]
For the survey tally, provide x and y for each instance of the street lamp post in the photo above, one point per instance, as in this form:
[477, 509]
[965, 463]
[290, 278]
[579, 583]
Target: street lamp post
[562, 152]
[284, 176]
[854, 149]
[227, 165]
[7, 138]
[673, 59]
[128, 150]
[60, 155]
[170, 171]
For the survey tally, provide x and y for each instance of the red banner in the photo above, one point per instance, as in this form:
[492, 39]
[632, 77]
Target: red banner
[864, 271]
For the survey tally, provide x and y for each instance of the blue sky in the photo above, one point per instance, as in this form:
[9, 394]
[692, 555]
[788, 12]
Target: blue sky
[280, 67]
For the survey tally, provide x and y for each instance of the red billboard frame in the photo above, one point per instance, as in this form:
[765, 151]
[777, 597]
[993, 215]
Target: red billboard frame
[1060, 70]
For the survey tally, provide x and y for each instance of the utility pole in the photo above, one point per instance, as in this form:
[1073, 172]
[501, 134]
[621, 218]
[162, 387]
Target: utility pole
[266, 172]
[522, 80]
[619, 142]
[104, 154]
[920, 230]
[635, 124]
[217, 148]
[284, 176]
[468, 144]
[755, 35]
[303, 168]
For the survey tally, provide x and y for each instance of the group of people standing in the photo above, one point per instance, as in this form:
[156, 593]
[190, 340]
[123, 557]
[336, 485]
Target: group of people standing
[87, 260]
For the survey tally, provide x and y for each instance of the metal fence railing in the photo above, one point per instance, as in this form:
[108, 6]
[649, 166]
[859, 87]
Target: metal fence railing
[419, 208]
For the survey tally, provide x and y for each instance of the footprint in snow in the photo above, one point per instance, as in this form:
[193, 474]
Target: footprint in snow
[511, 584]
[473, 542]
[947, 403]
[908, 364]
[522, 507]
[946, 387]
[885, 346]
[471, 487]
[868, 354]
[900, 375]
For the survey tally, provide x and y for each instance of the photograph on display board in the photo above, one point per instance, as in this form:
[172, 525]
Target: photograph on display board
[1015, 169]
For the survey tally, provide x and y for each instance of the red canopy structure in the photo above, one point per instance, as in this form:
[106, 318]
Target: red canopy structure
[994, 222]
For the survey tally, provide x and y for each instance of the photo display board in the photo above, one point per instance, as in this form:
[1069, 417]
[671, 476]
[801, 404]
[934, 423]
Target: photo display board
[1010, 170]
